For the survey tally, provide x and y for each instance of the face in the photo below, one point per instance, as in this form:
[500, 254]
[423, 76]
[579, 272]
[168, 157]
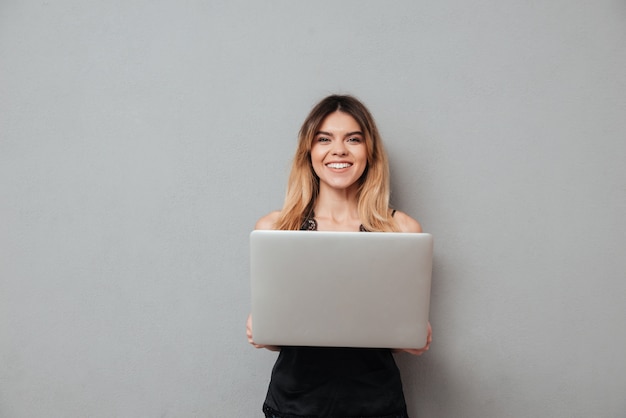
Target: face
[338, 152]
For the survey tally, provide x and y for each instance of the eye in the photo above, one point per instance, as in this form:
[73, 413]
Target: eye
[323, 139]
[354, 139]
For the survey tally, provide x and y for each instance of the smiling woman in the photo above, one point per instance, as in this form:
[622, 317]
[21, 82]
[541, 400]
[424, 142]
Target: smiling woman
[366, 200]
[339, 181]
[339, 154]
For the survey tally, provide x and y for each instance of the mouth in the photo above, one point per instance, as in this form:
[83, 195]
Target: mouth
[338, 165]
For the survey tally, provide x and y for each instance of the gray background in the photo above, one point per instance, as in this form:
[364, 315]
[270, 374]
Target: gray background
[140, 141]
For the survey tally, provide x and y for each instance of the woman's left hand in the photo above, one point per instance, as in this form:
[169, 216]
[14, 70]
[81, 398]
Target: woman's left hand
[420, 351]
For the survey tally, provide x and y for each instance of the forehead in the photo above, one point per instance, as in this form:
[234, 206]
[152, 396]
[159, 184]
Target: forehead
[339, 122]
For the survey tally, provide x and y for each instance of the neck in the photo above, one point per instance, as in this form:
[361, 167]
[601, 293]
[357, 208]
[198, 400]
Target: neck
[337, 209]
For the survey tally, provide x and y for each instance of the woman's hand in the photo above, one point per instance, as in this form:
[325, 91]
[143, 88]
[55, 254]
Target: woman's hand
[251, 340]
[420, 351]
[249, 332]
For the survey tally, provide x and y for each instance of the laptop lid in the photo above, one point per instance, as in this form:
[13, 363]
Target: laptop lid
[341, 289]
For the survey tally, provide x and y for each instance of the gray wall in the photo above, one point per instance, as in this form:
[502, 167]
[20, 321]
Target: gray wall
[141, 140]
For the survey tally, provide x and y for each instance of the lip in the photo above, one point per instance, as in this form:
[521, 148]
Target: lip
[338, 165]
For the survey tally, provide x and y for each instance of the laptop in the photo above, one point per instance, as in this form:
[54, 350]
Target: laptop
[340, 289]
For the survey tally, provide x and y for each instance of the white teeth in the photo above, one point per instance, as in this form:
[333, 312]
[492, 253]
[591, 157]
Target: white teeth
[339, 165]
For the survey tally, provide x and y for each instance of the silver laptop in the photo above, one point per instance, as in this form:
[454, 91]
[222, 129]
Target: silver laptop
[340, 289]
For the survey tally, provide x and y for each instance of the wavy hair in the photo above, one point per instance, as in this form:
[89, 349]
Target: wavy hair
[303, 184]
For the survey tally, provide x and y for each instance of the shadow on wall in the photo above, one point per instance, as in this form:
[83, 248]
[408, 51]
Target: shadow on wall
[451, 380]
[426, 378]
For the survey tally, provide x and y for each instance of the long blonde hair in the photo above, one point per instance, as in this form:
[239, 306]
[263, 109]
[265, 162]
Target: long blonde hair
[303, 185]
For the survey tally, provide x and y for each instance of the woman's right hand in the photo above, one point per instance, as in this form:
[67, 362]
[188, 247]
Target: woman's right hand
[251, 340]
[249, 332]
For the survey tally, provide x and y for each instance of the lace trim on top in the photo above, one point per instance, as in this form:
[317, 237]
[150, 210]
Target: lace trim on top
[310, 224]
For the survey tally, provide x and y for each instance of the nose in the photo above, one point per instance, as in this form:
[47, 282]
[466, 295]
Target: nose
[339, 148]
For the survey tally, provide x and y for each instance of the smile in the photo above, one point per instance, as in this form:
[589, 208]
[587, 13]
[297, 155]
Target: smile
[338, 165]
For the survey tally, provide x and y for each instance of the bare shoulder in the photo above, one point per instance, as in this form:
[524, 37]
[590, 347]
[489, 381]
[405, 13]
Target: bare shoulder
[406, 223]
[268, 221]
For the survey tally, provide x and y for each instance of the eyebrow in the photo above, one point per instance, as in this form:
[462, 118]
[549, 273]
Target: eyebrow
[330, 134]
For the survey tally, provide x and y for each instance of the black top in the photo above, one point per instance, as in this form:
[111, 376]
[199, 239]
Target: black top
[334, 382]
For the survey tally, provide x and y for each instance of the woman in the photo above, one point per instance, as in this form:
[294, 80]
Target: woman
[339, 181]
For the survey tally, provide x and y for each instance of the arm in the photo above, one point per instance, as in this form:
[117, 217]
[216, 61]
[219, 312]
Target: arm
[266, 222]
[408, 224]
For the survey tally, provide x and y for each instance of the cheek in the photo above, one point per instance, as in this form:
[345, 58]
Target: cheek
[316, 162]
[316, 170]
[363, 170]
[314, 157]
[365, 164]
[363, 155]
